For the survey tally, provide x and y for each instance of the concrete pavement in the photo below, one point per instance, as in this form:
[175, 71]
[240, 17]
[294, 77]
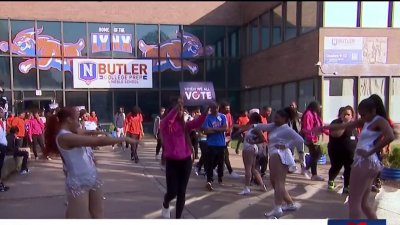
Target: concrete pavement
[135, 191]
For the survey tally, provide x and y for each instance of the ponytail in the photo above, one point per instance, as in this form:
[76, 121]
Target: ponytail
[50, 133]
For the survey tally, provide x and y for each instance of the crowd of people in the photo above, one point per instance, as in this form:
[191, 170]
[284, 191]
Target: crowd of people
[355, 143]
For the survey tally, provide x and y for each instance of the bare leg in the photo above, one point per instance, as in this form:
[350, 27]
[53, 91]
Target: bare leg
[247, 161]
[78, 206]
[363, 177]
[96, 204]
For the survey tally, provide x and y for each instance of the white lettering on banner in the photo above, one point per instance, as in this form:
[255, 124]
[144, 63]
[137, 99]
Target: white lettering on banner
[103, 38]
[112, 73]
[104, 29]
[196, 95]
[88, 70]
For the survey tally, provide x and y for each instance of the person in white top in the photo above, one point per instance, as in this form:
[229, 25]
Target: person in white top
[3, 149]
[63, 136]
[376, 134]
[250, 152]
[281, 139]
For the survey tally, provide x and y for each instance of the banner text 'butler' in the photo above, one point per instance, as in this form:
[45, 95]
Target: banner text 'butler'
[197, 93]
[112, 73]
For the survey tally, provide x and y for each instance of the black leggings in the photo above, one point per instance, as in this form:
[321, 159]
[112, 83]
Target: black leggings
[315, 155]
[24, 156]
[3, 150]
[195, 145]
[203, 157]
[37, 139]
[134, 147]
[215, 157]
[340, 158]
[158, 147]
[227, 161]
[177, 173]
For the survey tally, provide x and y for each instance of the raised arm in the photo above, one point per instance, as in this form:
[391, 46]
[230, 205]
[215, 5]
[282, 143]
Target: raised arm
[75, 140]
[196, 123]
[169, 118]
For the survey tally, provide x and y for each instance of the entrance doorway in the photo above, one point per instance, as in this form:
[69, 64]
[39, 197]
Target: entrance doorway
[33, 104]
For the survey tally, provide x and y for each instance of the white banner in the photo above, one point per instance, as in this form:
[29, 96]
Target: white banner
[112, 73]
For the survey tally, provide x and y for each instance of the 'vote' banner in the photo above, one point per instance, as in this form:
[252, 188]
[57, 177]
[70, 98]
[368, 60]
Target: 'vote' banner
[197, 93]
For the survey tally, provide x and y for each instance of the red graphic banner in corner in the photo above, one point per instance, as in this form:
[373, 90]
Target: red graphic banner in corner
[197, 93]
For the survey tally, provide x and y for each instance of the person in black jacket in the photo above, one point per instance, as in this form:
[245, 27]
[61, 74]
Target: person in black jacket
[12, 148]
[341, 147]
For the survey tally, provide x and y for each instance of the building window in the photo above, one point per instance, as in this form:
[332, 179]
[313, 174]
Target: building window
[146, 35]
[168, 98]
[77, 98]
[265, 22]
[50, 78]
[5, 74]
[24, 73]
[340, 14]
[372, 85]
[99, 39]
[123, 40]
[53, 31]
[188, 74]
[149, 108]
[254, 36]
[4, 49]
[216, 74]
[170, 78]
[125, 99]
[265, 96]
[291, 15]
[290, 93]
[276, 97]
[277, 25]
[245, 99]
[394, 100]
[169, 33]
[22, 30]
[233, 74]
[215, 38]
[308, 16]
[255, 98]
[374, 14]
[101, 103]
[396, 14]
[233, 45]
[306, 94]
[341, 92]
[75, 33]
[198, 32]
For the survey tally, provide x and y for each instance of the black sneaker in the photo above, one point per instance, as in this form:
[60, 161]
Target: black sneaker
[3, 188]
[346, 191]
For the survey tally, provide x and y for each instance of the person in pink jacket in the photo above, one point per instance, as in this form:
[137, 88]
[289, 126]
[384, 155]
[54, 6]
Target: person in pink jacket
[35, 133]
[310, 120]
[177, 151]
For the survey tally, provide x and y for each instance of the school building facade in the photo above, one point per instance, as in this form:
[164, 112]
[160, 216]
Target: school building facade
[255, 53]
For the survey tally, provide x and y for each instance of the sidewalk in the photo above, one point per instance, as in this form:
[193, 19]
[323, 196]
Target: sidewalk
[135, 191]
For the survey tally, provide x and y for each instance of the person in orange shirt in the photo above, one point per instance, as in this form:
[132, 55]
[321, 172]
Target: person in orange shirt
[93, 117]
[19, 122]
[9, 120]
[242, 120]
[133, 128]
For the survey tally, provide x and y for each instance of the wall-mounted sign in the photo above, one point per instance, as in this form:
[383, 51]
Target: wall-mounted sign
[197, 93]
[112, 73]
[355, 50]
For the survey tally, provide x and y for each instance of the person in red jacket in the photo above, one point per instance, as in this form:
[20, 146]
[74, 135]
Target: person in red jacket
[133, 128]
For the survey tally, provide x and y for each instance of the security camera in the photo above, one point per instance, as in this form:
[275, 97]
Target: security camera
[335, 73]
[318, 63]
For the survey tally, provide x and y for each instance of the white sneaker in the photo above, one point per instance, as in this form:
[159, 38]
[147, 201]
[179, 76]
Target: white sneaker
[292, 169]
[317, 178]
[276, 212]
[306, 173]
[263, 188]
[234, 174]
[245, 191]
[165, 213]
[291, 207]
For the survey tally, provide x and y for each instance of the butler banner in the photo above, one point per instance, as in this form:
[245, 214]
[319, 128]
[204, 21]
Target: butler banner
[197, 93]
[112, 73]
